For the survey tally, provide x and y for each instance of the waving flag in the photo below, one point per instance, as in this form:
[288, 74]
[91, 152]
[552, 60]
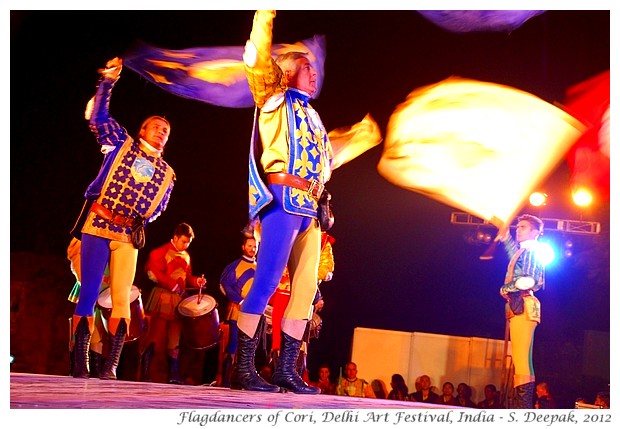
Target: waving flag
[476, 146]
[465, 21]
[213, 75]
[589, 159]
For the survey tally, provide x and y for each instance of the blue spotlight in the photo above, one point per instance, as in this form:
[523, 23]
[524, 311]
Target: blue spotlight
[545, 253]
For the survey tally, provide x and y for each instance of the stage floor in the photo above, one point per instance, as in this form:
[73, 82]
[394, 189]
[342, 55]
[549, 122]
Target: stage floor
[37, 391]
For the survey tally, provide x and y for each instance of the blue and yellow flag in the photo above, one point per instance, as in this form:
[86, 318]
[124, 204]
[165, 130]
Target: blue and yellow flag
[213, 75]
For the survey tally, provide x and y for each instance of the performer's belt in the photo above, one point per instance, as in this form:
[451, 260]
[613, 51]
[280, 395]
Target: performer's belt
[111, 217]
[313, 187]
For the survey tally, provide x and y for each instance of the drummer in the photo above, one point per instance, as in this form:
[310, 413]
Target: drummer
[170, 268]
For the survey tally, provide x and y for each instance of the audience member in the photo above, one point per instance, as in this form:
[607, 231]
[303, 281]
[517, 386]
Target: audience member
[544, 399]
[400, 391]
[378, 386]
[602, 400]
[424, 392]
[491, 398]
[350, 385]
[327, 386]
[463, 396]
[447, 395]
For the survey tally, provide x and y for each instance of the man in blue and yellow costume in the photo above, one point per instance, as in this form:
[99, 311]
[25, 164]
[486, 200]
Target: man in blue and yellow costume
[288, 171]
[524, 276]
[131, 190]
[235, 282]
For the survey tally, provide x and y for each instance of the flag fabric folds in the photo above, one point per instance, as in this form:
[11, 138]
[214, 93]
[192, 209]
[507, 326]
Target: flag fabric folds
[476, 146]
[465, 21]
[213, 75]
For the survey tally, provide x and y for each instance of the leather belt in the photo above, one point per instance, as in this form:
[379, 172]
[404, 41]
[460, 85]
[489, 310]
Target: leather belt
[313, 187]
[111, 217]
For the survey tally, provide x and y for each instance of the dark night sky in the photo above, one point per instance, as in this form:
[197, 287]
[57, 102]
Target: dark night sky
[400, 263]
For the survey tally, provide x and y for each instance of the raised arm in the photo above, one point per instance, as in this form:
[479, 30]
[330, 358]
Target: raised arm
[264, 76]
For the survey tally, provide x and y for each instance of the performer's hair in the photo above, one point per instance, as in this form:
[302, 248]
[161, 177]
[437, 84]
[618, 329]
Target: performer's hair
[533, 220]
[150, 119]
[288, 61]
[184, 229]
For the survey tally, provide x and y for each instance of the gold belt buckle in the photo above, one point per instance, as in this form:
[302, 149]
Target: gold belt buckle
[315, 189]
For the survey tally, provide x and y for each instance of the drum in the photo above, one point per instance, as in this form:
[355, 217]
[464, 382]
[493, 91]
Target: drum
[200, 321]
[138, 324]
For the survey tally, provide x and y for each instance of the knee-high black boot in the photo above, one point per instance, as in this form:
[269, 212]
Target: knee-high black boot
[244, 375]
[116, 347]
[286, 375]
[145, 363]
[524, 395]
[80, 349]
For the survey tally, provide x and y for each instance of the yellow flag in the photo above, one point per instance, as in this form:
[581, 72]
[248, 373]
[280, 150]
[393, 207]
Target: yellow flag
[476, 146]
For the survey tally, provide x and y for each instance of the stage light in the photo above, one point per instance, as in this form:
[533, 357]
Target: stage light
[568, 249]
[582, 197]
[483, 237]
[478, 237]
[545, 253]
[538, 199]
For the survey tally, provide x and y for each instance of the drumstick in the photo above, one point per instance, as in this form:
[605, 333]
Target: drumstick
[200, 290]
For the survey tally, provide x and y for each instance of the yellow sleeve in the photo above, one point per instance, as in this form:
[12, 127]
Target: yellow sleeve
[326, 262]
[264, 76]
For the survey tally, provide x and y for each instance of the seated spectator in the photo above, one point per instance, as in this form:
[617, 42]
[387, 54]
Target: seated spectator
[378, 386]
[447, 395]
[424, 393]
[327, 386]
[463, 396]
[400, 391]
[544, 400]
[491, 398]
[602, 399]
[350, 385]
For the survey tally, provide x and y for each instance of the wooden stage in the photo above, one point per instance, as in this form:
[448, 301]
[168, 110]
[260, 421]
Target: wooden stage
[36, 391]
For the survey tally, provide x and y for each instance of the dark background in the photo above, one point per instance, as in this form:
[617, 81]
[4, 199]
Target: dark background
[400, 263]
